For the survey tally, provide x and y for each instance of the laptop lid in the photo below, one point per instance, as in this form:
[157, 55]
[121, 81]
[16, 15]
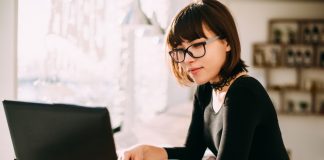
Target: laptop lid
[59, 131]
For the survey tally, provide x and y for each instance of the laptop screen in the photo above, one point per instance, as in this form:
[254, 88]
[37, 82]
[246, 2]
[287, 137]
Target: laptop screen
[59, 131]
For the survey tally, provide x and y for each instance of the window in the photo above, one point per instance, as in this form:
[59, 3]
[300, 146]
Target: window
[64, 54]
[80, 52]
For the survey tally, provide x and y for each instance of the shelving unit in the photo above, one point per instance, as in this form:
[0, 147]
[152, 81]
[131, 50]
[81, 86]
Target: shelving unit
[295, 49]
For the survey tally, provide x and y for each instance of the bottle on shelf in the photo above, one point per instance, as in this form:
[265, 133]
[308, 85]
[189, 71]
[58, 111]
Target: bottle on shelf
[277, 36]
[322, 34]
[303, 106]
[274, 57]
[321, 111]
[321, 59]
[315, 34]
[259, 59]
[291, 36]
[307, 60]
[290, 58]
[307, 35]
[291, 106]
[299, 58]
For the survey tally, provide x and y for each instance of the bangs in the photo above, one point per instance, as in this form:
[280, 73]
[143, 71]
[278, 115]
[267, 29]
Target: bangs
[189, 18]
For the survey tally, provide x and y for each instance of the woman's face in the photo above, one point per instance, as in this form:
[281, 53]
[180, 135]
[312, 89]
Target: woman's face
[207, 68]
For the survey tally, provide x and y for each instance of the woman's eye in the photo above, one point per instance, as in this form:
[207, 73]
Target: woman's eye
[179, 50]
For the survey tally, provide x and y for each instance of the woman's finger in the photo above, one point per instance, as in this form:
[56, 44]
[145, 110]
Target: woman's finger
[125, 156]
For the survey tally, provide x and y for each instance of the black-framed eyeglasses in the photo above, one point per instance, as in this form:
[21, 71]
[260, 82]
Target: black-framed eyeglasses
[196, 50]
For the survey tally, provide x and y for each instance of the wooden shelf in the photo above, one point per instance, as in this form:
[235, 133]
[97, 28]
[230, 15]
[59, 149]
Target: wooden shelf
[296, 89]
[294, 44]
[288, 67]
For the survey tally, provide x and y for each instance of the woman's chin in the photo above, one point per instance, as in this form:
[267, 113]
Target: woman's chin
[199, 81]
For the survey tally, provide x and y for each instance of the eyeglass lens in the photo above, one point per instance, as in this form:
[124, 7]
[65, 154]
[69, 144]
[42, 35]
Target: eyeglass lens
[195, 51]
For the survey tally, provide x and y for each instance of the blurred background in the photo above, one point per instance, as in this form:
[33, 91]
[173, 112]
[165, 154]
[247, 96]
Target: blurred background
[111, 53]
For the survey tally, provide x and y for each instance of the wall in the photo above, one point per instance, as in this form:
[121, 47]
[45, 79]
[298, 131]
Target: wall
[303, 135]
[7, 69]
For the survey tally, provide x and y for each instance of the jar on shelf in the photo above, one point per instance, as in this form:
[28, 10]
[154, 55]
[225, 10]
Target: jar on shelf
[290, 58]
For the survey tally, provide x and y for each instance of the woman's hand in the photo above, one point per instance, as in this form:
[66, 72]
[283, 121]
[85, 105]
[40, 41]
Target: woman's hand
[144, 152]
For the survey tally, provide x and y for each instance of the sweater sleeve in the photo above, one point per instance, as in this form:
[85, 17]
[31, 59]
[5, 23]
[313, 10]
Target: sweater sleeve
[195, 146]
[241, 117]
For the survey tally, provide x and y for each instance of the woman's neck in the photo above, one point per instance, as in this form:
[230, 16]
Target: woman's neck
[225, 88]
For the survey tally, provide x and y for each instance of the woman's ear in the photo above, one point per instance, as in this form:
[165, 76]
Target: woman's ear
[228, 46]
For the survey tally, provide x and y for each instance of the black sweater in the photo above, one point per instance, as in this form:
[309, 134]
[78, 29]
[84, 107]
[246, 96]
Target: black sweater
[245, 128]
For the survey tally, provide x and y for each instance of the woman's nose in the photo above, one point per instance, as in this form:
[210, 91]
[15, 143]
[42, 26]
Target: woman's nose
[188, 59]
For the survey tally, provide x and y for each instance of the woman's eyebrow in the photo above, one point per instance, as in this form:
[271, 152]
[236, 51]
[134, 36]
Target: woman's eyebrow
[179, 47]
[190, 42]
[197, 40]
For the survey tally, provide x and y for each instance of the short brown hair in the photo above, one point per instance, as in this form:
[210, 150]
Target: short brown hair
[187, 25]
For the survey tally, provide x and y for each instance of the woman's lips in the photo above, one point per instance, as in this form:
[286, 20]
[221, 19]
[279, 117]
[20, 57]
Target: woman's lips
[195, 70]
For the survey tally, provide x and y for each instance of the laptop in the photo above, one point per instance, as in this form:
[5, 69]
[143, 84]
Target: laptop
[42, 131]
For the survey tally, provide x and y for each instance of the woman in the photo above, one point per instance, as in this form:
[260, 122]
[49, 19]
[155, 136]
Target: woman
[233, 115]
